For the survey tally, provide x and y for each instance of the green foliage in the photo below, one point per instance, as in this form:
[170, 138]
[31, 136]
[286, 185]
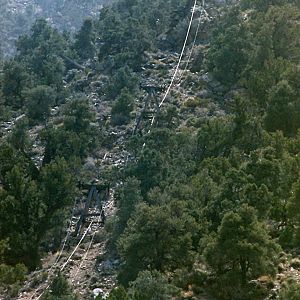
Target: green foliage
[247, 131]
[127, 29]
[125, 37]
[27, 203]
[262, 5]
[8, 274]
[214, 138]
[257, 50]
[61, 143]
[293, 212]
[19, 222]
[19, 137]
[290, 291]
[127, 197]
[75, 138]
[11, 275]
[38, 102]
[42, 51]
[168, 156]
[228, 62]
[294, 203]
[242, 248]
[261, 52]
[85, 39]
[59, 290]
[158, 238]
[118, 293]
[219, 185]
[57, 186]
[151, 169]
[283, 112]
[78, 117]
[152, 286]
[122, 108]
[123, 80]
[274, 55]
[15, 80]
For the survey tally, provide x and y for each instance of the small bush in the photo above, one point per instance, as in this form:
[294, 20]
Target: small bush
[290, 291]
[10, 275]
[295, 263]
[120, 113]
[192, 102]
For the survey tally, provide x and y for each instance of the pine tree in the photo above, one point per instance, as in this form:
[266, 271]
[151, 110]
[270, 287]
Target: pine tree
[242, 247]
[84, 40]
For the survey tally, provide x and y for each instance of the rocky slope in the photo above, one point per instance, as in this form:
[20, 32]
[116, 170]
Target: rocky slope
[195, 97]
[97, 273]
[17, 16]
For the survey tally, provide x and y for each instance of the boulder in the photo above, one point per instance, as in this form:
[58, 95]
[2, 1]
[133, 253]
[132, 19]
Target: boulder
[97, 292]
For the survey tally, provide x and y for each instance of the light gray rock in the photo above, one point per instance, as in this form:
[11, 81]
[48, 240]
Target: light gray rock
[97, 292]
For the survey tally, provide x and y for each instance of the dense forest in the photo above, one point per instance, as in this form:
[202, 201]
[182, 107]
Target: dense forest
[207, 190]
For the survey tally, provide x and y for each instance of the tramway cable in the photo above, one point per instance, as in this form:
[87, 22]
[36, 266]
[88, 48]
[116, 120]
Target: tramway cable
[152, 122]
[179, 61]
[90, 244]
[202, 12]
[77, 246]
[69, 258]
[181, 55]
[63, 245]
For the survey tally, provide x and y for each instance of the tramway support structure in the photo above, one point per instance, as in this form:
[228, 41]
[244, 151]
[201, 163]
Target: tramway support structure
[98, 194]
[152, 90]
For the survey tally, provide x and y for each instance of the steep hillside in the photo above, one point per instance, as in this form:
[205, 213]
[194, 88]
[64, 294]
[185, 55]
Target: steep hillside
[155, 156]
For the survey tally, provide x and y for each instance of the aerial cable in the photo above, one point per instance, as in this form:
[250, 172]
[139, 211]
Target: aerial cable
[91, 242]
[179, 61]
[68, 260]
[66, 238]
[79, 243]
[76, 248]
[90, 245]
[47, 287]
[93, 236]
[62, 248]
[181, 55]
[86, 254]
[85, 233]
[193, 45]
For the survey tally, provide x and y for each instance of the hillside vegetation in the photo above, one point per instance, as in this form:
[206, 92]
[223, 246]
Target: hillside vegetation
[206, 186]
[17, 17]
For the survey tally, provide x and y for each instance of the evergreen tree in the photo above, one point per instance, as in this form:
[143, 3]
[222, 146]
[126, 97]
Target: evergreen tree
[283, 112]
[42, 51]
[290, 290]
[78, 117]
[84, 40]
[242, 248]
[128, 196]
[59, 290]
[38, 102]
[156, 238]
[118, 293]
[152, 286]
[75, 138]
[229, 52]
[122, 108]
[15, 80]
[19, 137]
[123, 79]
